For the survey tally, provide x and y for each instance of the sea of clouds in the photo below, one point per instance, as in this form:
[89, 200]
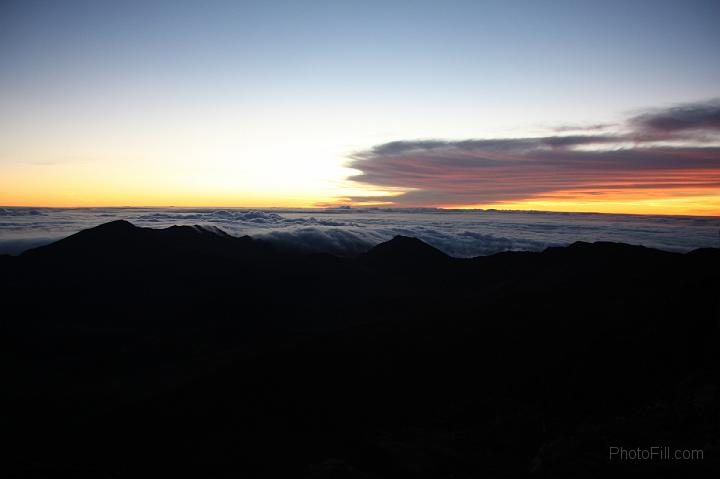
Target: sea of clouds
[345, 231]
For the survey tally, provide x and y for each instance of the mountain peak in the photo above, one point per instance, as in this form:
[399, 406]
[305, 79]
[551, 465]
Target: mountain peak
[404, 250]
[117, 225]
[406, 240]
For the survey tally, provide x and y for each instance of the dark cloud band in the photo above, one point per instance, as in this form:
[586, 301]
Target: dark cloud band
[437, 172]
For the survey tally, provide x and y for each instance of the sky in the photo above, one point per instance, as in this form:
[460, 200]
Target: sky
[555, 105]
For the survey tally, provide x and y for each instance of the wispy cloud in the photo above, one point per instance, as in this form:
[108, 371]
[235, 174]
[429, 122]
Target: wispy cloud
[594, 127]
[673, 151]
[698, 118]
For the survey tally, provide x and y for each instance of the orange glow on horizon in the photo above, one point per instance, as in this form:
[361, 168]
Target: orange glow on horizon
[653, 202]
[68, 191]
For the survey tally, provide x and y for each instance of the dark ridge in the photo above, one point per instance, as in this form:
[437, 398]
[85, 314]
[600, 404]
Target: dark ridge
[709, 252]
[186, 352]
[609, 248]
[114, 226]
[404, 249]
[120, 240]
[607, 253]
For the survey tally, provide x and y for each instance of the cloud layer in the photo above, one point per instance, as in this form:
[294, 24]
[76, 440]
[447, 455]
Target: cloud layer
[671, 152]
[679, 121]
[348, 232]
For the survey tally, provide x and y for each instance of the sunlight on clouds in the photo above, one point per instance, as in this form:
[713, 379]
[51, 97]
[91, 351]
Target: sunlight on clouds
[641, 204]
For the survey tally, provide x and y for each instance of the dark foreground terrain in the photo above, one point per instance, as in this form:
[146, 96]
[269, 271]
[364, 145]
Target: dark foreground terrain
[184, 352]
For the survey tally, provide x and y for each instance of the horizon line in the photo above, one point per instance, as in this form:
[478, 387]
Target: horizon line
[346, 207]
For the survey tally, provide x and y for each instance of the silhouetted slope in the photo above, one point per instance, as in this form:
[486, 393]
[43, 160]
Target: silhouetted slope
[405, 248]
[404, 253]
[184, 352]
[121, 239]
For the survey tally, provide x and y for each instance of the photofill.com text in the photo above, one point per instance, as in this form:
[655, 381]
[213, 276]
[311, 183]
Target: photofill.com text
[654, 453]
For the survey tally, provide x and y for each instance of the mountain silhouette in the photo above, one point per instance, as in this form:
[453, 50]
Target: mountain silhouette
[404, 253]
[187, 352]
[405, 247]
[118, 240]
